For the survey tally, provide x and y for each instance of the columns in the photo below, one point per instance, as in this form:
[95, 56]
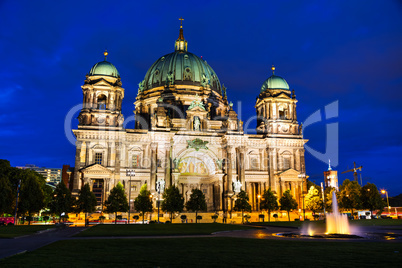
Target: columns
[117, 149]
[228, 182]
[167, 165]
[241, 165]
[87, 153]
[154, 166]
[109, 155]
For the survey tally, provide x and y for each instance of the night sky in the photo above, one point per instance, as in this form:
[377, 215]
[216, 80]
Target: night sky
[347, 52]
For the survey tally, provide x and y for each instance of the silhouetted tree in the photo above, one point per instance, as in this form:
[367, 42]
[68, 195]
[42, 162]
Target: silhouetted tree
[371, 198]
[173, 201]
[269, 202]
[350, 195]
[117, 201]
[196, 202]
[62, 200]
[86, 201]
[288, 202]
[143, 201]
[241, 204]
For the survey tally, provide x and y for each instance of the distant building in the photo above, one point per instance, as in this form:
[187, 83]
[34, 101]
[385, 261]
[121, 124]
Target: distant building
[51, 175]
[67, 175]
[331, 178]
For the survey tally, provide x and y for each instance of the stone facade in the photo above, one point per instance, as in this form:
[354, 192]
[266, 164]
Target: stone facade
[187, 134]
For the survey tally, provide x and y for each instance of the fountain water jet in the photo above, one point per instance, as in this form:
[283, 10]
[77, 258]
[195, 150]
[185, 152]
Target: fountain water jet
[337, 223]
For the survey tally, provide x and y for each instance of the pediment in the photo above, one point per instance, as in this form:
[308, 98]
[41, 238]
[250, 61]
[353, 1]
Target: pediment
[282, 96]
[96, 169]
[102, 82]
[289, 174]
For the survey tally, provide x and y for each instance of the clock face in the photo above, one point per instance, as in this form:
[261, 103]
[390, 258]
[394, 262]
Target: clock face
[285, 128]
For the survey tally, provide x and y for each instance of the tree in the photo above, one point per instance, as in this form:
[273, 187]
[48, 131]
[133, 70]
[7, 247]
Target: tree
[6, 196]
[117, 201]
[86, 201]
[269, 202]
[61, 201]
[31, 196]
[288, 202]
[349, 197]
[313, 199]
[196, 202]
[173, 201]
[143, 202]
[241, 204]
[371, 198]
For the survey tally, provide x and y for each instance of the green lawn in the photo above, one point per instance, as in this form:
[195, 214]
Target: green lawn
[11, 231]
[159, 229]
[210, 252]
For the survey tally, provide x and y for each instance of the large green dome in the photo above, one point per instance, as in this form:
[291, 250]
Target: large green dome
[184, 68]
[274, 82]
[104, 68]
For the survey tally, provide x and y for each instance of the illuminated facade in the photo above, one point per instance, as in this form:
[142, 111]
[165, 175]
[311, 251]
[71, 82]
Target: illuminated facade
[187, 134]
[51, 175]
[331, 178]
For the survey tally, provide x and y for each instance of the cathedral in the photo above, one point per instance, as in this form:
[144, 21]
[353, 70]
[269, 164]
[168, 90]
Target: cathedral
[187, 134]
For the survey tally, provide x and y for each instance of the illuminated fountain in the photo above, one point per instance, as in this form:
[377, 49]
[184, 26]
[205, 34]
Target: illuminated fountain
[337, 223]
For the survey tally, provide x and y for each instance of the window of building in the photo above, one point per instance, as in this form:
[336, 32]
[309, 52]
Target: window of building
[286, 163]
[98, 158]
[254, 163]
[136, 161]
[102, 102]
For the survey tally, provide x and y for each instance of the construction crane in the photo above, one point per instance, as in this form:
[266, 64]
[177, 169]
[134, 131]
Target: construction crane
[355, 169]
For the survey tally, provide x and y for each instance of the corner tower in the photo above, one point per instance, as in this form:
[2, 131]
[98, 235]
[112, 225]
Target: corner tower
[276, 108]
[102, 98]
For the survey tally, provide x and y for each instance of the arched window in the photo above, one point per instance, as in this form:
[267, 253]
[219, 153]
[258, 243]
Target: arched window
[101, 102]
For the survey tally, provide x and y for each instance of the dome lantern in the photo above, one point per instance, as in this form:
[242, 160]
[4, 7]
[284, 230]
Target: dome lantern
[181, 43]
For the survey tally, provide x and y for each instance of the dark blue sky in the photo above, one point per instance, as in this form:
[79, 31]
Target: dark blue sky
[344, 51]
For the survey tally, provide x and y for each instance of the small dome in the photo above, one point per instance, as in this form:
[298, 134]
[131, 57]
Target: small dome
[104, 68]
[274, 82]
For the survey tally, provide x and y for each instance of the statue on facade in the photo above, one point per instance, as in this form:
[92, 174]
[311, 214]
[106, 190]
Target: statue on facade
[197, 123]
[237, 186]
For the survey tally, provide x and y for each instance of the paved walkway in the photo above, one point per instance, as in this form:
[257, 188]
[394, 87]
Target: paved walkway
[9, 247]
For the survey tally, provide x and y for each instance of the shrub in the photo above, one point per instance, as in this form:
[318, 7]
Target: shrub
[214, 217]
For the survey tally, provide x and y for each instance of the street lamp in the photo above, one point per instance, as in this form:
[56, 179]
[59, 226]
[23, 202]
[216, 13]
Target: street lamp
[303, 176]
[16, 202]
[389, 208]
[160, 185]
[129, 172]
[259, 204]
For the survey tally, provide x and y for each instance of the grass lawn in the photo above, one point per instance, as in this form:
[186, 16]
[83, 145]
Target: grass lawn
[210, 252]
[159, 229]
[11, 231]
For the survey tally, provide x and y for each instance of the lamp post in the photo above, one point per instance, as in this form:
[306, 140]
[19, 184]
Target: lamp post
[16, 202]
[259, 200]
[129, 172]
[389, 208]
[160, 185]
[303, 176]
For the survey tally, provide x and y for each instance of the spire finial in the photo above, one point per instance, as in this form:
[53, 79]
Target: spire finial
[181, 22]
[105, 54]
[329, 164]
[273, 69]
[181, 43]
